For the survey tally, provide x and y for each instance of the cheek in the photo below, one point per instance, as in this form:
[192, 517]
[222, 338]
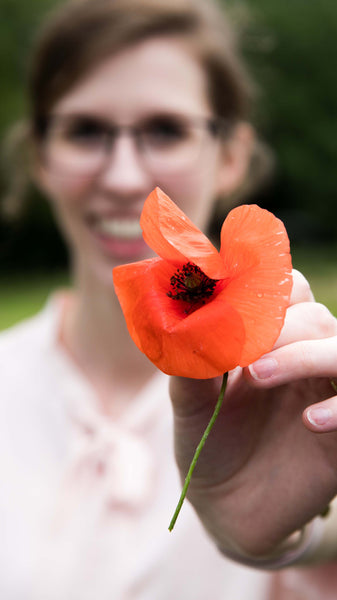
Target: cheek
[66, 198]
[68, 191]
[61, 189]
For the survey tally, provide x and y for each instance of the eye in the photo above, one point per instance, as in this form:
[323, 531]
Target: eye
[165, 131]
[85, 132]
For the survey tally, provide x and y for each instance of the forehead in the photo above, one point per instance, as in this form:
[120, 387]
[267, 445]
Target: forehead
[154, 75]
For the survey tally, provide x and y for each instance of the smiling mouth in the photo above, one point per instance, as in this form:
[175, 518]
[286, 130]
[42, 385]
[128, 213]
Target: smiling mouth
[119, 228]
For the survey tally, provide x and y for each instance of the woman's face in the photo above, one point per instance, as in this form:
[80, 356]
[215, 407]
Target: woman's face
[98, 177]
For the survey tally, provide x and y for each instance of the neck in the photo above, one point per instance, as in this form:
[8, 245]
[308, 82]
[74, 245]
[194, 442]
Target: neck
[96, 336]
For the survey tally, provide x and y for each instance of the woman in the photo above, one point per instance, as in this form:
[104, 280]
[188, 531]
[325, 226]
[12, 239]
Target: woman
[125, 95]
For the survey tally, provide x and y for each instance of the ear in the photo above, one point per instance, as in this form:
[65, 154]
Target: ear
[235, 159]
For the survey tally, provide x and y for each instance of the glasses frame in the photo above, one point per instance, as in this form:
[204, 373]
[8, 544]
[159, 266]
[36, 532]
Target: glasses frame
[217, 127]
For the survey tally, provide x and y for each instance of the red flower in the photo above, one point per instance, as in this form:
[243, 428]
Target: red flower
[197, 312]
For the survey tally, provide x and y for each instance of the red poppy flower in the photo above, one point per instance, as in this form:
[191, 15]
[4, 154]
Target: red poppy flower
[197, 312]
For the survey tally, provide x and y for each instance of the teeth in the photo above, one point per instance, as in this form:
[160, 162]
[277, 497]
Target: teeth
[120, 228]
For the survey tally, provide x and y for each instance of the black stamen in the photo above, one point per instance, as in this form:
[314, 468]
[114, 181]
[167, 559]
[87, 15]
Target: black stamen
[191, 285]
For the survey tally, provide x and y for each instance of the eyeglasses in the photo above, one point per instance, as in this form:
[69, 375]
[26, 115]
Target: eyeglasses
[81, 145]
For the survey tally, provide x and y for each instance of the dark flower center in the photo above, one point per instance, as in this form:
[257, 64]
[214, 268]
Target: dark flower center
[191, 285]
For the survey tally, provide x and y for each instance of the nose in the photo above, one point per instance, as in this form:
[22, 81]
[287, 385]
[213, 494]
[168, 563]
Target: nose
[124, 174]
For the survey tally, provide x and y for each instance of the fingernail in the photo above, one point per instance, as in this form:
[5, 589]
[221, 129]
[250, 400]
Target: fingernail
[263, 368]
[319, 416]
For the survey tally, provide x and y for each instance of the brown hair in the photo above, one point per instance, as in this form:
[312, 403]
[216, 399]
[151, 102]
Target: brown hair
[82, 33]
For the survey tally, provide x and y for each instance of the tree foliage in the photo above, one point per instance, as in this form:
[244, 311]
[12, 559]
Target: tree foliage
[291, 47]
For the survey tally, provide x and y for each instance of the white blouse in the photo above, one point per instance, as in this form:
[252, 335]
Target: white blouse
[85, 501]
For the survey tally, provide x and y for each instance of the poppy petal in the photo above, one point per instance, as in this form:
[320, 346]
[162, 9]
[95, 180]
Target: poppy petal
[255, 249]
[169, 232]
[200, 345]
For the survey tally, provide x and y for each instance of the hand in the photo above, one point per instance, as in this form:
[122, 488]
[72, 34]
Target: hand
[263, 472]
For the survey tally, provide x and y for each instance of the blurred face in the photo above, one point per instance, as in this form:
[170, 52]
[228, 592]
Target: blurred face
[141, 119]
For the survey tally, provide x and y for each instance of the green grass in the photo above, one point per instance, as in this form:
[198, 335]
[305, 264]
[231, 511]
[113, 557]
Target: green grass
[22, 296]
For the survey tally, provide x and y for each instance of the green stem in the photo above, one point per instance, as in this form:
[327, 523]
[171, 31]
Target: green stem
[198, 450]
[333, 385]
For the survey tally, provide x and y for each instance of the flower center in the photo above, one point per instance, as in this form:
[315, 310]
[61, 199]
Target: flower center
[191, 285]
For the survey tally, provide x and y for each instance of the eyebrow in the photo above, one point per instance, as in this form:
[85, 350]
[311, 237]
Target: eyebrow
[108, 123]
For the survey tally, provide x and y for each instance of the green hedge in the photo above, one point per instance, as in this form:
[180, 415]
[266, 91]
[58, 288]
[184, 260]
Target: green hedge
[291, 46]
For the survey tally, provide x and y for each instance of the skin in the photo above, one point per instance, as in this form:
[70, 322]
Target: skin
[125, 89]
[137, 83]
[260, 448]
[264, 468]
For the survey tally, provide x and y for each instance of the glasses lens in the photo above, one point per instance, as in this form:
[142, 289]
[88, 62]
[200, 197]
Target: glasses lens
[76, 145]
[172, 144]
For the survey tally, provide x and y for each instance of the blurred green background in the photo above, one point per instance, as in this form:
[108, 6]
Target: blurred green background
[291, 47]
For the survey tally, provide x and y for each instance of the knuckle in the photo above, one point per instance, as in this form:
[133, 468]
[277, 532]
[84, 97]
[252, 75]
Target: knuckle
[301, 286]
[315, 319]
[324, 320]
